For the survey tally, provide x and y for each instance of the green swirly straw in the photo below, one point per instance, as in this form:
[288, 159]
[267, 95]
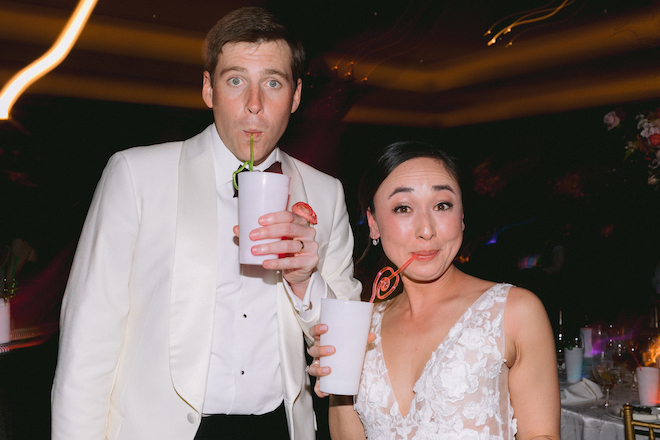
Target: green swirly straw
[248, 163]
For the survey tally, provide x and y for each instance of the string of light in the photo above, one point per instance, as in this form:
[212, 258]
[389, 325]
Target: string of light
[48, 61]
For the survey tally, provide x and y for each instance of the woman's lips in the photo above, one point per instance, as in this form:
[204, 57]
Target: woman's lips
[425, 255]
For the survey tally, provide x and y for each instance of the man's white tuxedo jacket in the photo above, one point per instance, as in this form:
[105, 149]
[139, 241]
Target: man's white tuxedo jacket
[138, 311]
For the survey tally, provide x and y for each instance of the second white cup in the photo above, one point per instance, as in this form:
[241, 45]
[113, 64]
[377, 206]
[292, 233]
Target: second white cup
[574, 357]
[5, 321]
[648, 380]
[259, 193]
[348, 330]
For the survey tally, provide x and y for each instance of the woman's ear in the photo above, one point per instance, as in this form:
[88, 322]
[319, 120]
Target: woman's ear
[374, 233]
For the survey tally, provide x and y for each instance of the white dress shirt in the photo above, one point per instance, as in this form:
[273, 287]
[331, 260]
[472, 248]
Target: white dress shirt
[244, 372]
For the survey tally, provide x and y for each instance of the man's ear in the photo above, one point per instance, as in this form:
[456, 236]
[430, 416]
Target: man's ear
[296, 96]
[207, 90]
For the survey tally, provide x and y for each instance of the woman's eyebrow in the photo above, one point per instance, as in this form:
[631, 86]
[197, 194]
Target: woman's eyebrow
[408, 189]
[443, 188]
[401, 189]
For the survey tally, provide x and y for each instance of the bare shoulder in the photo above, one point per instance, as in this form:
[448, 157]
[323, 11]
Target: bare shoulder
[523, 304]
[526, 324]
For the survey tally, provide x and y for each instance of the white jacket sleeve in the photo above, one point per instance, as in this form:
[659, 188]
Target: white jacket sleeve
[336, 267]
[95, 307]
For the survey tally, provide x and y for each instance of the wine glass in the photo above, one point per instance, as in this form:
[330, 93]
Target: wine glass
[605, 374]
[633, 358]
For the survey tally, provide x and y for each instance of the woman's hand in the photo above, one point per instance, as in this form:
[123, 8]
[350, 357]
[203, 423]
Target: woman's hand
[317, 351]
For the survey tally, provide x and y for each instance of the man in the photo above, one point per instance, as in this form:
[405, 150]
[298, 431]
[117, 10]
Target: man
[162, 329]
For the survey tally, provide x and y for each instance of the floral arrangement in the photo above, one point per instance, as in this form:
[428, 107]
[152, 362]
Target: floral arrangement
[646, 140]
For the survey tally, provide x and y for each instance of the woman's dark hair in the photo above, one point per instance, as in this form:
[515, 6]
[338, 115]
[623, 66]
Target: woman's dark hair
[251, 24]
[391, 157]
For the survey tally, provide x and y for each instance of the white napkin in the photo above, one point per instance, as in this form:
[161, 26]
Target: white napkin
[583, 391]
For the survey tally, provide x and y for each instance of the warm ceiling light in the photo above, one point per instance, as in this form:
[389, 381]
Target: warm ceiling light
[48, 61]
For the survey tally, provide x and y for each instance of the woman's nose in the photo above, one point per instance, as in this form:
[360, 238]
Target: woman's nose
[425, 227]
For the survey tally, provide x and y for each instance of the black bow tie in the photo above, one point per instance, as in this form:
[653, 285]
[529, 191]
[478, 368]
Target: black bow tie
[276, 167]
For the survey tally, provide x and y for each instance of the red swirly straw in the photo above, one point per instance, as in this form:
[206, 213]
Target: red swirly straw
[383, 284]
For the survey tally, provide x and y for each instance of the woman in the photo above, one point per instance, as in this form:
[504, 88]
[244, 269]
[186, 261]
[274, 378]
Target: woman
[454, 356]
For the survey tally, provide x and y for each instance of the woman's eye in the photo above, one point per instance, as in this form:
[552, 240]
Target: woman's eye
[273, 83]
[235, 81]
[402, 209]
[443, 206]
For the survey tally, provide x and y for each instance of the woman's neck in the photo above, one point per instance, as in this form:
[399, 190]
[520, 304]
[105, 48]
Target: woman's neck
[419, 296]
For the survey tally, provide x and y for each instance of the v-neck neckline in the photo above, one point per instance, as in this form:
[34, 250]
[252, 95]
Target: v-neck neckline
[434, 353]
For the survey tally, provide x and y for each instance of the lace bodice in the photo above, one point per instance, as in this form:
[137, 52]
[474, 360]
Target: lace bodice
[463, 390]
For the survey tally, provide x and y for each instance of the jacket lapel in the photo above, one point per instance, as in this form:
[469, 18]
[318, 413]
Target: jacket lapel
[195, 270]
[296, 186]
[291, 336]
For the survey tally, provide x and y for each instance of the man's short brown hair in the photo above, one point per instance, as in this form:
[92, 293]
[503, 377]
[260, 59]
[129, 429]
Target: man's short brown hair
[250, 25]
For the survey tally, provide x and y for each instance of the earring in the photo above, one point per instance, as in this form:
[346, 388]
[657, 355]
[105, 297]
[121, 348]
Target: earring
[375, 241]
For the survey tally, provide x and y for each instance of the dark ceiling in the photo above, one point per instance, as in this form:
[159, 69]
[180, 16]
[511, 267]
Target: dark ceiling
[426, 62]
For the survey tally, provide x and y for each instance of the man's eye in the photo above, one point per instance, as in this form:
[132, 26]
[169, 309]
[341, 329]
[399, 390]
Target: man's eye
[235, 81]
[273, 83]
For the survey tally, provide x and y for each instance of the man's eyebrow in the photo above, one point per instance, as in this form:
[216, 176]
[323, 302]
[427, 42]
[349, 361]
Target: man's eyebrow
[407, 189]
[233, 69]
[277, 72]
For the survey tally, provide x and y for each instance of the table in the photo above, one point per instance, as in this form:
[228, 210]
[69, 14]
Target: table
[28, 337]
[27, 365]
[591, 420]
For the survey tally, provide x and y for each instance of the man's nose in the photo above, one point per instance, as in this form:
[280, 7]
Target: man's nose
[254, 102]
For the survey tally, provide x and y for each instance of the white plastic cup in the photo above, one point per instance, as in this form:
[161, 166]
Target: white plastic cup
[648, 379]
[259, 193]
[348, 329]
[573, 357]
[5, 322]
[586, 335]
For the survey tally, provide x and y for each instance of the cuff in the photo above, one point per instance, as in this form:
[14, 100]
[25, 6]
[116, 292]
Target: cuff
[308, 306]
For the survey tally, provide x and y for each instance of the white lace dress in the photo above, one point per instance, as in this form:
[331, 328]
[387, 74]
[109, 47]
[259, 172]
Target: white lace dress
[463, 391]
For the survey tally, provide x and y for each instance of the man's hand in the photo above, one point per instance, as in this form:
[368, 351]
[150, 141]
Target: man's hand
[297, 249]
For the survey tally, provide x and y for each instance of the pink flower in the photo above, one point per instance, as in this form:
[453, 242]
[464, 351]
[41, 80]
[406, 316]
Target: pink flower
[611, 120]
[655, 139]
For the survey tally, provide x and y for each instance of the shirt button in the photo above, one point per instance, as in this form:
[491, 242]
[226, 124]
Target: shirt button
[192, 417]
